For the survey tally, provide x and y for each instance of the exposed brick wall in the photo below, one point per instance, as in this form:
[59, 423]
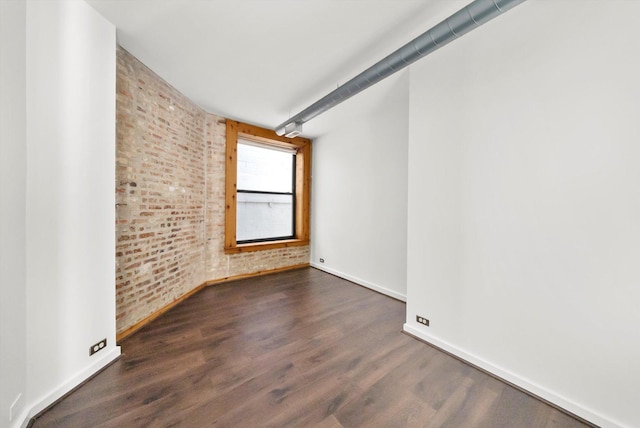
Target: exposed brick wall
[170, 182]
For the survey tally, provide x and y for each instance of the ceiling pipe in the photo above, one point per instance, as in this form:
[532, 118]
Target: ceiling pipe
[466, 19]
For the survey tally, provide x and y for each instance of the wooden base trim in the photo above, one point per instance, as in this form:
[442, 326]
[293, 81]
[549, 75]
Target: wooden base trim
[254, 274]
[137, 326]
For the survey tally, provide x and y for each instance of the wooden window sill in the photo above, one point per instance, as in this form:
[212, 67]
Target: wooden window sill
[271, 245]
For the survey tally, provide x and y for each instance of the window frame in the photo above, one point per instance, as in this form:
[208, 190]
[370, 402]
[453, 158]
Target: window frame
[302, 196]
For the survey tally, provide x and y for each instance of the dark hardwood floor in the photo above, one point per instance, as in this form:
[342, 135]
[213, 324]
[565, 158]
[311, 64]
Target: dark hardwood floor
[295, 349]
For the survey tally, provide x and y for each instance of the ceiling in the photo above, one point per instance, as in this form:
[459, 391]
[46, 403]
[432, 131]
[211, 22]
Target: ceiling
[262, 61]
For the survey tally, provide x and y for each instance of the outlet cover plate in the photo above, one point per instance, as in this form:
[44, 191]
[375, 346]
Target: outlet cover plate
[422, 320]
[97, 347]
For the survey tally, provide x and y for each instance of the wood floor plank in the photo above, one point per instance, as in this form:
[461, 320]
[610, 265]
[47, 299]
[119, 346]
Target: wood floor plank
[295, 349]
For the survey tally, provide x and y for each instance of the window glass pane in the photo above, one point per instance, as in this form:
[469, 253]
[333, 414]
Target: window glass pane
[263, 216]
[264, 169]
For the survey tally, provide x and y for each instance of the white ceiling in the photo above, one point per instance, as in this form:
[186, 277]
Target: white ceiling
[260, 61]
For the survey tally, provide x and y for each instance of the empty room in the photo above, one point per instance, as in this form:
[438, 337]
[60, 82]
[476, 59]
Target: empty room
[319, 213]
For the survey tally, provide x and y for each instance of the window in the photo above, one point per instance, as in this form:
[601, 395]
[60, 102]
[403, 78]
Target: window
[267, 189]
[266, 192]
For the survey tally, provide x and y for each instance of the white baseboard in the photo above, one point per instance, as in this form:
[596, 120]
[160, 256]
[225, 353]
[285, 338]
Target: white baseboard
[361, 282]
[68, 385]
[523, 383]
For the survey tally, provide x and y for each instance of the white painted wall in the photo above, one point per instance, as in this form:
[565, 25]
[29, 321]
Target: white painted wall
[524, 202]
[70, 215]
[13, 156]
[359, 197]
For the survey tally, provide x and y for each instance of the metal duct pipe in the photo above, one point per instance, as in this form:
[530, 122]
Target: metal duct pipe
[466, 19]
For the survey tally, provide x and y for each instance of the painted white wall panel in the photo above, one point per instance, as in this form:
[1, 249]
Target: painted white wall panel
[13, 157]
[70, 214]
[524, 200]
[359, 195]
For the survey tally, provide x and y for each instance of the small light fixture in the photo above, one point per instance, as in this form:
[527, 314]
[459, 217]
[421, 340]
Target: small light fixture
[293, 129]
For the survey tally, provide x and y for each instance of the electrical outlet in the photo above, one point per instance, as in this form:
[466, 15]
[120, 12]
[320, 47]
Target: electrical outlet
[422, 320]
[97, 347]
[321, 260]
